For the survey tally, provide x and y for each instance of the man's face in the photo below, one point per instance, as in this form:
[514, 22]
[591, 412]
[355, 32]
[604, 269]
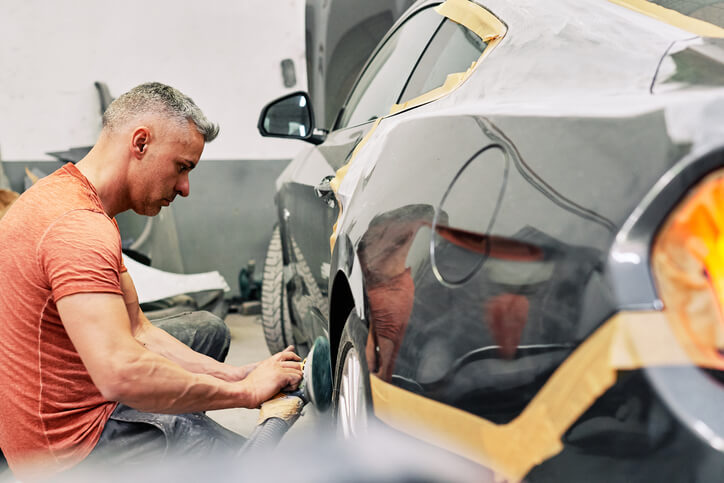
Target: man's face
[164, 169]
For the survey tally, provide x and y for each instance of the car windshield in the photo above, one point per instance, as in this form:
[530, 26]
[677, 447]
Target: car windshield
[711, 11]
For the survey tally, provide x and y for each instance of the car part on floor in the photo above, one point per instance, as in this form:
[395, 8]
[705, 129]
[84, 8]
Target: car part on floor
[154, 284]
[249, 287]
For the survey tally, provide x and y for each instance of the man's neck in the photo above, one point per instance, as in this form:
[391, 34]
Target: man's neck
[104, 170]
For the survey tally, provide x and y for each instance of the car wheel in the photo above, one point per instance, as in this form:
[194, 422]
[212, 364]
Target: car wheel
[274, 304]
[318, 299]
[352, 399]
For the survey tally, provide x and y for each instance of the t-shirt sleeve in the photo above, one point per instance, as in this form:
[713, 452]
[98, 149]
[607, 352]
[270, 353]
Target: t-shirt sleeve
[123, 266]
[81, 253]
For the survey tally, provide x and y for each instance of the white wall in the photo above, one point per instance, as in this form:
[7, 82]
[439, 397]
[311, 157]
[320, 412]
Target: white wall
[225, 54]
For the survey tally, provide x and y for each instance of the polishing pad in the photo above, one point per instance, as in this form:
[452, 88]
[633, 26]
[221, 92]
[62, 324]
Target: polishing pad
[318, 374]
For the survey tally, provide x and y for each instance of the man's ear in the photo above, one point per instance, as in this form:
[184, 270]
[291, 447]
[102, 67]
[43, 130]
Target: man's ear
[139, 141]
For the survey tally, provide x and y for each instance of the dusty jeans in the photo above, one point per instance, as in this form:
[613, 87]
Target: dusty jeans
[133, 437]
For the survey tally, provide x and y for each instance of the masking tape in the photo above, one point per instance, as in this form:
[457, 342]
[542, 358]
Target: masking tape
[282, 406]
[471, 16]
[341, 174]
[474, 18]
[629, 340]
[452, 81]
[672, 17]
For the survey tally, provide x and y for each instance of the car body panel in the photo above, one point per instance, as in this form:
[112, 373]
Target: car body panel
[488, 235]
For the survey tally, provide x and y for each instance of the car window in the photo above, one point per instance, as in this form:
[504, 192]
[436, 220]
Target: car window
[453, 49]
[384, 78]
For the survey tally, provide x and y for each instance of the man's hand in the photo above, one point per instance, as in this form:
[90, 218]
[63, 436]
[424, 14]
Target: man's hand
[238, 373]
[280, 371]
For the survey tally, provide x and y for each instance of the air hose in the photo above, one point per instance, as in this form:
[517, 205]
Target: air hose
[279, 413]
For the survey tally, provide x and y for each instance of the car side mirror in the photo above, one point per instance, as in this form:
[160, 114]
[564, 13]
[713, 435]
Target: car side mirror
[290, 116]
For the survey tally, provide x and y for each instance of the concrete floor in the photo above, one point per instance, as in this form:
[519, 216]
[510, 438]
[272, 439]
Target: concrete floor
[248, 345]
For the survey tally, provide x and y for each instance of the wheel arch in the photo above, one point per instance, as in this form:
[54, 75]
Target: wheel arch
[346, 290]
[341, 304]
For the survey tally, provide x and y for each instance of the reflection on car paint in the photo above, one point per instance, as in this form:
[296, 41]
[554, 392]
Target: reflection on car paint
[382, 253]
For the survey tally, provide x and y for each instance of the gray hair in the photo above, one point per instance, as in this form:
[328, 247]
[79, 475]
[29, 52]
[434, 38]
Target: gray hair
[157, 98]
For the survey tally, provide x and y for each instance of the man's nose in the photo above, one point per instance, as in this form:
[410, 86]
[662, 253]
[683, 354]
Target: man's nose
[183, 187]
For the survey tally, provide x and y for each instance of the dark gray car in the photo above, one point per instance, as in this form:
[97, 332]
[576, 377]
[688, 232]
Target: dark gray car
[511, 237]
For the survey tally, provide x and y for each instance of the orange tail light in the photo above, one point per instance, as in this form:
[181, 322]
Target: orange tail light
[688, 268]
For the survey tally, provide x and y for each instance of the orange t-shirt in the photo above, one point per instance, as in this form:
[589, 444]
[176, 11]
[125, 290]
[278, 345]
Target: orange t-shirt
[56, 240]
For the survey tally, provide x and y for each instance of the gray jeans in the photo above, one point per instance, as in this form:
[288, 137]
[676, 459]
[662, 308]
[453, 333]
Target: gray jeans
[132, 437]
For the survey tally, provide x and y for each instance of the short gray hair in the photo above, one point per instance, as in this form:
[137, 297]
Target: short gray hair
[157, 98]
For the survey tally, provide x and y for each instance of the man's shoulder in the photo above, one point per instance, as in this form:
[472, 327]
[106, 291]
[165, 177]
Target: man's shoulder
[80, 250]
[66, 190]
[80, 229]
[51, 198]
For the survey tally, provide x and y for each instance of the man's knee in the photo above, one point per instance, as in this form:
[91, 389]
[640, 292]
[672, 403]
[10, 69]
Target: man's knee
[202, 331]
[214, 332]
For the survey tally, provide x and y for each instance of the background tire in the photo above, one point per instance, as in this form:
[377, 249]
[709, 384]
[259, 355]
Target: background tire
[351, 397]
[275, 318]
[317, 298]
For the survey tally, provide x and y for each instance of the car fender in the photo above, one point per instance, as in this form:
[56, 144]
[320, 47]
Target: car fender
[346, 289]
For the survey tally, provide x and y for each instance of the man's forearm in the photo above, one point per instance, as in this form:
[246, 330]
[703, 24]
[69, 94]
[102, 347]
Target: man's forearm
[162, 343]
[150, 382]
[123, 370]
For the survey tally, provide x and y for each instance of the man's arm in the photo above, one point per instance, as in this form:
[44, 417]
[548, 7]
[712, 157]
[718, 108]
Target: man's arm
[161, 342]
[125, 371]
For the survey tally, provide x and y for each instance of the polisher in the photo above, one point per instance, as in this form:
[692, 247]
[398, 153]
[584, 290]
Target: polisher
[279, 413]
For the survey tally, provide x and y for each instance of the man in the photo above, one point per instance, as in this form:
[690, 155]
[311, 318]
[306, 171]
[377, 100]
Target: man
[73, 340]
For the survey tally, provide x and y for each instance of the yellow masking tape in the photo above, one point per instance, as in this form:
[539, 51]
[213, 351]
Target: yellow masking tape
[341, 173]
[672, 17]
[471, 16]
[451, 83]
[629, 340]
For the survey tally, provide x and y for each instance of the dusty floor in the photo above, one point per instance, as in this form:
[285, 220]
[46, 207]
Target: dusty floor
[248, 345]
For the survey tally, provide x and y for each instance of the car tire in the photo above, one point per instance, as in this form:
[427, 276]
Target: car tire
[351, 397]
[275, 318]
[317, 298]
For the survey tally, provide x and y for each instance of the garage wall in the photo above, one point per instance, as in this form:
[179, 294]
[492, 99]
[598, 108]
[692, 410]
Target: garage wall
[225, 54]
